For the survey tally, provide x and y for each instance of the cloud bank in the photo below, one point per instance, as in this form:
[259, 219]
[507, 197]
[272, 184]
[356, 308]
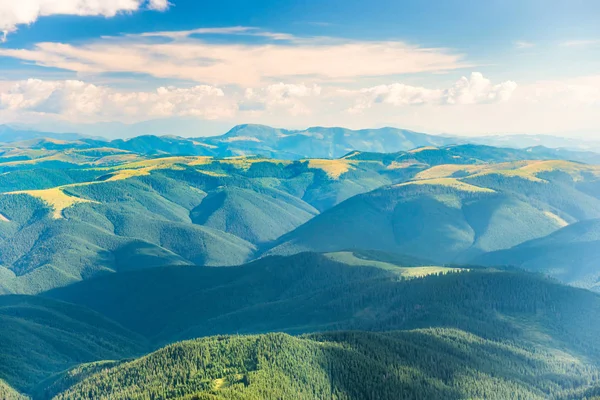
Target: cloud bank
[474, 90]
[78, 101]
[469, 105]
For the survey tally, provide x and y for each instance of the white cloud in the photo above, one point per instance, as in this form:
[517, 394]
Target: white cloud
[80, 101]
[466, 91]
[468, 106]
[228, 30]
[523, 44]
[580, 43]
[20, 12]
[158, 5]
[281, 96]
[279, 57]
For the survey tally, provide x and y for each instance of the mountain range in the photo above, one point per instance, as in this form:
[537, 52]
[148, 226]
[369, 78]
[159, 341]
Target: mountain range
[314, 142]
[269, 263]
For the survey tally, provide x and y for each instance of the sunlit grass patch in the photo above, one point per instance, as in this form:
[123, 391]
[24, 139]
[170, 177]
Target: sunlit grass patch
[56, 198]
[449, 182]
[128, 173]
[424, 148]
[351, 155]
[453, 170]
[349, 258]
[400, 165]
[561, 222]
[333, 168]
[572, 168]
[245, 163]
[212, 173]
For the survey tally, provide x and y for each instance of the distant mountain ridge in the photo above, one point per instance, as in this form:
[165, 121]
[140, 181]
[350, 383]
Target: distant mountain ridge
[9, 134]
[313, 142]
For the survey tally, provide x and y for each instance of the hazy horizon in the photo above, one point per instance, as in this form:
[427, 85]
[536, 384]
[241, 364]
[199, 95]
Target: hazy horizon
[458, 71]
[191, 129]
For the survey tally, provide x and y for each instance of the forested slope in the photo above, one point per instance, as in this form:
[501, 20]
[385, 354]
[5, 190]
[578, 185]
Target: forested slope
[39, 337]
[462, 211]
[422, 364]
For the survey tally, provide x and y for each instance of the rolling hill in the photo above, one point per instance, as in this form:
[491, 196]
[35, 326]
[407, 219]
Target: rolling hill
[421, 364]
[311, 292]
[248, 140]
[499, 329]
[462, 210]
[480, 332]
[571, 254]
[110, 250]
[251, 215]
[39, 337]
[165, 211]
[60, 225]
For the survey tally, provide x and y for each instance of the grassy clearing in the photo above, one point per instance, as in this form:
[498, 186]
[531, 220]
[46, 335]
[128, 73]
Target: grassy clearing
[522, 169]
[117, 159]
[561, 222]
[424, 148]
[208, 146]
[128, 173]
[576, 170]
[449, 182]
[401, 165]
[451, 170]
[333, 168]
[211, 173]
[349, 258]
[351, 155]
[55, 198]
[244, 163]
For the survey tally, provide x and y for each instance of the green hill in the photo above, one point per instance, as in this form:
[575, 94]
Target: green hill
[251, 215]
[59, 226]
[497, 329]
[310, 292]
[39, 337]
[54, 237]
[570, 254]
[465, 210]
[421, 364]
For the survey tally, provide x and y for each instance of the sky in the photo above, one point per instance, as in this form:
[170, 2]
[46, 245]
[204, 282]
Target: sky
[195, 67]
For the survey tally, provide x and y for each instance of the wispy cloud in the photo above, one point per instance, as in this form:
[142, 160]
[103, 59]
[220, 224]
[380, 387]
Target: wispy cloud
[523, 44]
[20, 12]
[280, 57]
[580, 43]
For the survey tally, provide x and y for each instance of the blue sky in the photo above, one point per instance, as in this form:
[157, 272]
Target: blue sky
[470, 67]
